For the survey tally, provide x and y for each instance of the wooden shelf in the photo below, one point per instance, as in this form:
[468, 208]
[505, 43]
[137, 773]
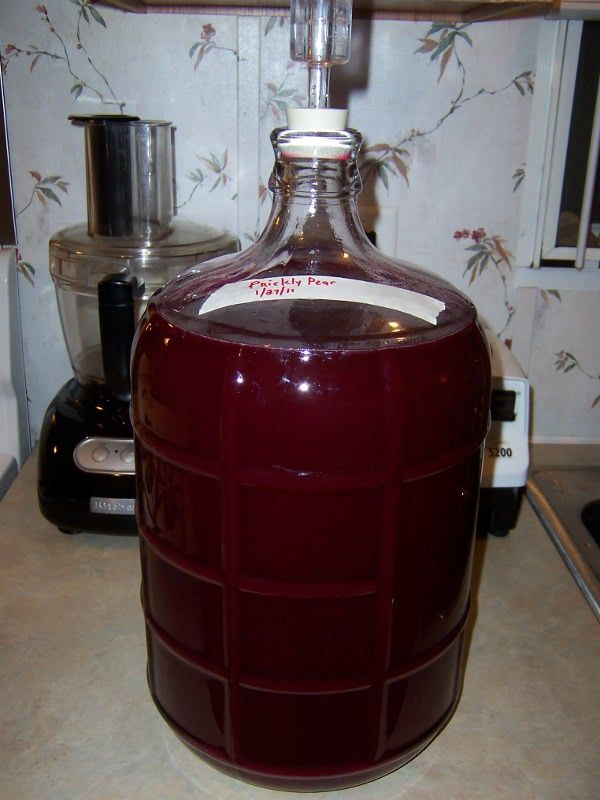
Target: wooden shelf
[449, 10]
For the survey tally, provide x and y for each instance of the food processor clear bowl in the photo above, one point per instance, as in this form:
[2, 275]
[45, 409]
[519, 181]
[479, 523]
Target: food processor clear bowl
[79, 261]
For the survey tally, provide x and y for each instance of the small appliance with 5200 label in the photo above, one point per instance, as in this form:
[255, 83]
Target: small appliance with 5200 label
[506, 453]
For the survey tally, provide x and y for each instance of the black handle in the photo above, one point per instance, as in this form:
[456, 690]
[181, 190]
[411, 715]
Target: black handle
[117, 327]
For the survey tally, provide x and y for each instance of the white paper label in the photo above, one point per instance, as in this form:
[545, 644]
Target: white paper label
[324, 287]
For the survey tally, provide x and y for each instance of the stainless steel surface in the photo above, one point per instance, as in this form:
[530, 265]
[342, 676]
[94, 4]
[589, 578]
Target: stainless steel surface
[100, 454]
[558, 496]
[129, 177]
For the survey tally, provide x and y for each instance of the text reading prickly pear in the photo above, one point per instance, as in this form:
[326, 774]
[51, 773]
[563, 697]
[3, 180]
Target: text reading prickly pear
[277, 287]
[323, 287]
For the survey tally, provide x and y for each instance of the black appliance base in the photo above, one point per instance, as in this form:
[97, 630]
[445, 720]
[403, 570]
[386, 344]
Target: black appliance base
[65, 491]
[499, 509]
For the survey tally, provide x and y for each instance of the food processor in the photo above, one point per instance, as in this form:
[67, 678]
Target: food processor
[104, 271]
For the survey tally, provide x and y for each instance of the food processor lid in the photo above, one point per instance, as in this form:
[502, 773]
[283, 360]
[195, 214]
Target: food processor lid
[185, 239]
[80, 260]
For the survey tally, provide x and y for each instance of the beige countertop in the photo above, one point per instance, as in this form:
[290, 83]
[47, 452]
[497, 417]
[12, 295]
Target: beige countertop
[77, 720]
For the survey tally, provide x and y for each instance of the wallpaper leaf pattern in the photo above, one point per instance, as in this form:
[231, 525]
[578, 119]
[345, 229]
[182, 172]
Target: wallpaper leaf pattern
[102, 90]
[442, 41]
[44, 189]
[49, 188]
[25, 269]
[518, 177]
[206, 44]
[278, 97]
[272, 23]
[216, 174]
[488, 251]
[566, 362]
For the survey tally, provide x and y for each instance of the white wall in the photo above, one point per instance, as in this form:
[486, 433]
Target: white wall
[461, 136]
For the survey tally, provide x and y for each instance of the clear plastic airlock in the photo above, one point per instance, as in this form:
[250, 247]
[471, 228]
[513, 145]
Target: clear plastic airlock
[320, 37]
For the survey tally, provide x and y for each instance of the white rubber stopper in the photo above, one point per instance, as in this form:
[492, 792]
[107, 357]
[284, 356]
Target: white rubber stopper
[317, 119]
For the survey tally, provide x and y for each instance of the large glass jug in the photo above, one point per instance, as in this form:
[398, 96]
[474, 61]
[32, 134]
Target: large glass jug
[308, 417]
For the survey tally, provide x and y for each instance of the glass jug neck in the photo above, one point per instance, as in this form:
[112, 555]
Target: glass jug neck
[315, 181]
[318, 165]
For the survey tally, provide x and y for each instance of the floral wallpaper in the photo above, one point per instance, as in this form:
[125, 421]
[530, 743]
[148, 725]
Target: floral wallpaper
[444, 110]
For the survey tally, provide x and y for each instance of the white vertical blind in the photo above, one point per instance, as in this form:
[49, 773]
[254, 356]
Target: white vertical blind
[589, 188]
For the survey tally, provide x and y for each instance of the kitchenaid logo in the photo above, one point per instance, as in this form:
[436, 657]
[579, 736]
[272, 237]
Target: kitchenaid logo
[112, 505]
[324, 287]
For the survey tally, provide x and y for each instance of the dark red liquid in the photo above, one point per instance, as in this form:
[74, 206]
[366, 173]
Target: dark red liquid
[306, 517]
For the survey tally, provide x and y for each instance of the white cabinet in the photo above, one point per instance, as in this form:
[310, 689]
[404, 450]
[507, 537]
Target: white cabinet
[576, 9]
[450, 10]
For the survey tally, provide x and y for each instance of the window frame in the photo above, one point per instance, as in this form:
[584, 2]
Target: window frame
[558, 53]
